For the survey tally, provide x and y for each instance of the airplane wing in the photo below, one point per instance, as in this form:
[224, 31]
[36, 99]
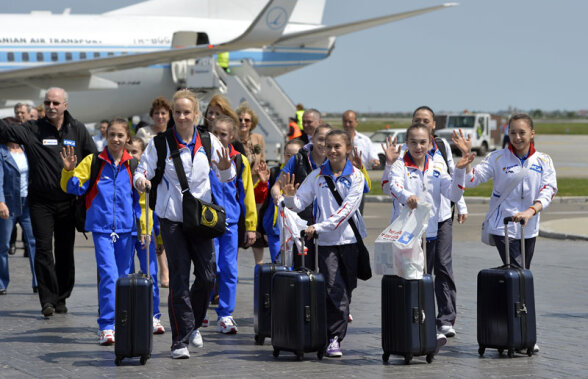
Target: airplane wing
[267, 27]
[306, 37]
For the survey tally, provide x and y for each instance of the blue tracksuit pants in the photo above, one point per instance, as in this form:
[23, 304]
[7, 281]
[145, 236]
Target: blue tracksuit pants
[227, 273]
[113, 259]
[142, 255]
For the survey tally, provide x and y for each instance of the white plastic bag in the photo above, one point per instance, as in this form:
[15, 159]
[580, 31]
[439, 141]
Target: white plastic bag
[398, 249]
[290, 225]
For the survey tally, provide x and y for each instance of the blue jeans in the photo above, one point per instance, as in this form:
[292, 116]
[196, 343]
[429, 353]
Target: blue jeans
[6, 226]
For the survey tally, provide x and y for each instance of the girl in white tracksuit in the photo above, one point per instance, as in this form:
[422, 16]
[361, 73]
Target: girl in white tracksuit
[534, 193]
[338, 249]
[419, 177]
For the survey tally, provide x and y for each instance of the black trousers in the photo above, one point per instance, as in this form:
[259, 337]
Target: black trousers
[187, 306]
[54, 230]
[440, 262]
[514, 246]
[338, 264]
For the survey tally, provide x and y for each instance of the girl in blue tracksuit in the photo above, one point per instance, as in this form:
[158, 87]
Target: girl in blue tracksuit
[238, 199]
[112, 205]
[135, 147]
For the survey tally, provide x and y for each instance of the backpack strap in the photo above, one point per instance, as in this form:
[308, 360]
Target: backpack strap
[206, 143]
[160, 148]
[239, 164]
[94, 170]
[443, 150]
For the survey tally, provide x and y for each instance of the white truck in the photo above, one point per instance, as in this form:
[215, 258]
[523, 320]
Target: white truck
[485, 130]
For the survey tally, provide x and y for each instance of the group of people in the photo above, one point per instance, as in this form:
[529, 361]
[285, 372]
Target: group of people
[323, 178]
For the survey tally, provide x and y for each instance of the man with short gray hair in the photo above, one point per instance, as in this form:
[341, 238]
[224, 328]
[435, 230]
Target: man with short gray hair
[22, 112]
[310, 121]
[52, 210]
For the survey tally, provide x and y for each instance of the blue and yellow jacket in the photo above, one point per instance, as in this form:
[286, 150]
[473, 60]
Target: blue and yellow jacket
[112, 204]
[238, 197]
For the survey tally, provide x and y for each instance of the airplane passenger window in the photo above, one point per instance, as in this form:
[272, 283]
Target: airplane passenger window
[10, 57]
[40, 57]
[83, 55]
[54, 56]
[68, 56]
[25, 57]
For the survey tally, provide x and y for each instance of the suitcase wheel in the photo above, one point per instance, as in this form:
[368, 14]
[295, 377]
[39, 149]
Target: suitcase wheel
[299, 356]
[500, 351]
[276, 352]
[320, 354]
[407, 358]
[510, 353]
[117, 360]
[259, 340]
[530, 352]
[143, 359]
[430, 357]
[385, 357]
[482, 349]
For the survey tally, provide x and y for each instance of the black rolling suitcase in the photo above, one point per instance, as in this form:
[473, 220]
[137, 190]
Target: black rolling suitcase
[506, 305]
[299, 311]
[262, 290]
[134, 312]
[408, 316]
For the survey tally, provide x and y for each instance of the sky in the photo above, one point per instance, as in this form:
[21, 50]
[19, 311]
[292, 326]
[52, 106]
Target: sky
[480, 56]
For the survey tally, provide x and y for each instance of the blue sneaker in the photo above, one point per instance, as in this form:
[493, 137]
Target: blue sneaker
[333, 350]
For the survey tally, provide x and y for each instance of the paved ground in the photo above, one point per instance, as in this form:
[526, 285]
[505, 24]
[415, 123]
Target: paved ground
[66, 345]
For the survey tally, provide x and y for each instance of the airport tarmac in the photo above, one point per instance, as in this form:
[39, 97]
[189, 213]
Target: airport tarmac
[67, 345]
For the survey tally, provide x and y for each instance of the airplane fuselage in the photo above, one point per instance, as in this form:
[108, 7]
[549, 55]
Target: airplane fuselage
[40, 39]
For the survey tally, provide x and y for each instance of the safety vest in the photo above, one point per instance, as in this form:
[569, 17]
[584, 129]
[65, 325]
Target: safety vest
[299, 115]
[223, 59]
[293, 130]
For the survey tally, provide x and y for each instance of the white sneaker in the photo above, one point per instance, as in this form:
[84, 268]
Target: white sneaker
[196, 338]
[350, 318]
[181, 353]
[205, 321]
[441, 341]
[447, 330]
[227, 325]
[536, 348]
[157, 327]
[106, 337]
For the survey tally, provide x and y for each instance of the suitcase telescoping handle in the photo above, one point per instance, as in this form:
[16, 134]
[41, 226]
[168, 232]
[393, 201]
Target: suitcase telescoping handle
[283, 235]
[316, 253]
[147, 189]
[506, 244]
[425, 252]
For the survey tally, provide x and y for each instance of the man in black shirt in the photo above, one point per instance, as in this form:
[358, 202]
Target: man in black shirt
[52, 210]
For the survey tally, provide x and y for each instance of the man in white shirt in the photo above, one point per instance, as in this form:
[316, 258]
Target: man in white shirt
[100, 139]
[361, 142]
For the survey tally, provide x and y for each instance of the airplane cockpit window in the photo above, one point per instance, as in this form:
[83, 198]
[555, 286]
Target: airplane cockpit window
[83, 55]
[110, 53]
[10, 57]
[25, 57]
[68, 56]
[40, 57]
[54, 57]
[96, 54]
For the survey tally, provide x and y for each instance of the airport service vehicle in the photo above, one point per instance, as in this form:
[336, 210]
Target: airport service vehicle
[483, 128]
[379, 137]
[119, 61]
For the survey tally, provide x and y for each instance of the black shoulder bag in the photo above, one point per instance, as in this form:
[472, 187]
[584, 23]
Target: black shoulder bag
[364, 268]
[207, 220]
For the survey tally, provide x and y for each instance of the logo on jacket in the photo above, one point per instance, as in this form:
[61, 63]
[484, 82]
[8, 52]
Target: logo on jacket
[436, 173]
[508, 169]
[536, 168]
[68, 142]
[345, 181]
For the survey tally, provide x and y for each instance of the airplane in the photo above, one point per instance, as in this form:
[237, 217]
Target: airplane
[116, 63]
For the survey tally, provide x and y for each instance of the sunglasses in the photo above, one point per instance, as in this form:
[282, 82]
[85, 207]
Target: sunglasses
[49, 102]
[245, 119]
